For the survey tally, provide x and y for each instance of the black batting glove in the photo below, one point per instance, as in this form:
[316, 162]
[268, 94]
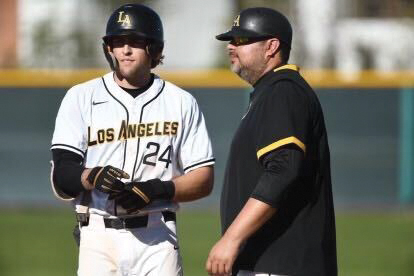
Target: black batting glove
[129, 201]
[137, 195]
[106, 179]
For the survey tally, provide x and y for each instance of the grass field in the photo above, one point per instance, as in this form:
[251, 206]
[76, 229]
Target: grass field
[38, 242]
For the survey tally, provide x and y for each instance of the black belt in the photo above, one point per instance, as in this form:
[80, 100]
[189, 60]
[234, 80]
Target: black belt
[134, 222]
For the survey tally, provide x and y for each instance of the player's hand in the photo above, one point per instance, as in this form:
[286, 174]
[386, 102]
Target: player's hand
[222, 256]
[106, 179]
[137, 195]
[130, 201]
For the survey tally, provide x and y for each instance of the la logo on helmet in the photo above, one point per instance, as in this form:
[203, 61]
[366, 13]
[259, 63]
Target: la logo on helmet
[124, 19]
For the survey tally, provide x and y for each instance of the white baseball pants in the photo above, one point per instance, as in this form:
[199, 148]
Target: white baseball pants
[150, 251]
[252, 273]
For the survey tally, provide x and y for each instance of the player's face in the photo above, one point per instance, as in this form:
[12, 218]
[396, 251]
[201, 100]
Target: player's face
[247, 58]
[133, 59]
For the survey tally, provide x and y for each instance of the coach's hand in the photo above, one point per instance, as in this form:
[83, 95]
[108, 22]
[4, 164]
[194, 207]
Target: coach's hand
[137, 195]
[106, 179]
[221, 257]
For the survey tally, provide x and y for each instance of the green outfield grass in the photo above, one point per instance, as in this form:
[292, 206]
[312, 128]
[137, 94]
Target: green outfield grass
[38, 242]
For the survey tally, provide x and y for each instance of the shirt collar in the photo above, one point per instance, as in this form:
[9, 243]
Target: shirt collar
[269, 75]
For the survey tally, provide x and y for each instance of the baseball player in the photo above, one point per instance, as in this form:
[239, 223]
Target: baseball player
[127, 147]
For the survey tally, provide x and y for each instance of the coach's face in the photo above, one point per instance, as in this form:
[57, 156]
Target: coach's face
[247, 58]
[131, 55]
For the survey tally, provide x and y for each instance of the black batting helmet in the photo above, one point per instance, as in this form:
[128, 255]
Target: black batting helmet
[260, 23]
[139, 21]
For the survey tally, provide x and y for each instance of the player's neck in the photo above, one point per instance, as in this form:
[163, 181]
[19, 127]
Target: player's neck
[135, 92]
[132, 83]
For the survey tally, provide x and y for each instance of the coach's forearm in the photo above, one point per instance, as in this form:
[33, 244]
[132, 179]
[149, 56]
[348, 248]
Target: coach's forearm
[195, 184]
[223, 254]
[253, 215]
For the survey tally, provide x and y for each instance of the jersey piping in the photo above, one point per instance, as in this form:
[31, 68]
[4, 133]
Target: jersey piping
[279, 143]
[127, 113]
[140, 121]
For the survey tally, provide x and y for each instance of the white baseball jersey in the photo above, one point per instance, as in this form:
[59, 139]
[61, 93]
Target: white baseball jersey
[159, 134]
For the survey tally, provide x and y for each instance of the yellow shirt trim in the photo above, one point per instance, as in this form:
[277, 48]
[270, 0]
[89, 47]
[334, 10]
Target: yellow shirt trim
[287, 66]
[278, 144]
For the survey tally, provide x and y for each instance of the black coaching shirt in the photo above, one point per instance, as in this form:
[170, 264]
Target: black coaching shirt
[300, 238]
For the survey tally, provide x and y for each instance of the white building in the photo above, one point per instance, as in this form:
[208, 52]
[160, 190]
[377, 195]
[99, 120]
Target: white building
[61, 33]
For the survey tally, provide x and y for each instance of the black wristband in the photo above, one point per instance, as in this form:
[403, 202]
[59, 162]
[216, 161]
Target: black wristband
[162, 189]
[169, 189]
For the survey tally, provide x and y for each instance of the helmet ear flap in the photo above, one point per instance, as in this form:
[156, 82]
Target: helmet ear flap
[156, 48]
[113, 63]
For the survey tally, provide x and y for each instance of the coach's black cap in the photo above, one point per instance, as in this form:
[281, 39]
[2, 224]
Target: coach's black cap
[260, 23]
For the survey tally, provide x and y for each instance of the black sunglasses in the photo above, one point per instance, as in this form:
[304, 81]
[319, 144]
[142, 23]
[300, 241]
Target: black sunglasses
[120, 41]
[237, 41]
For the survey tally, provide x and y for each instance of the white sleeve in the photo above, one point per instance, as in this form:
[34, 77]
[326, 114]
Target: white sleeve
[70, 126]
[195, 150]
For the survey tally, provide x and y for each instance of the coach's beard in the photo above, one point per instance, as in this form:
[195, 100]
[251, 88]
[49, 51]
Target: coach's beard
[250, 74]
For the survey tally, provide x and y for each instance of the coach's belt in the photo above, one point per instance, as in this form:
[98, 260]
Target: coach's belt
[134, 222]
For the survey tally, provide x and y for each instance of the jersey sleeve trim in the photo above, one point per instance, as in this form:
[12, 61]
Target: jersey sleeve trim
[199, 164]
[280, 143]
[70, 148]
